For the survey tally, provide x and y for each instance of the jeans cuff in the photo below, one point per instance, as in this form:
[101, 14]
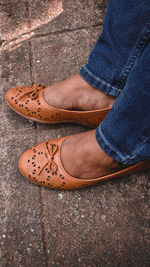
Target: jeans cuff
[107, 147]
[96, 82]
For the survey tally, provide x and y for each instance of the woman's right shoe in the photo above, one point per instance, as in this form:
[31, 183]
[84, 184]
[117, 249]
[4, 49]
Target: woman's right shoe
[28, 102]
[41, 164]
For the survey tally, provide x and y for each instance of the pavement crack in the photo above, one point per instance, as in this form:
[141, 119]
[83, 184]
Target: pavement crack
[44, 229]
[17, 40]
[30, 46]
[31, 62]
[14, 42]
[66, 30]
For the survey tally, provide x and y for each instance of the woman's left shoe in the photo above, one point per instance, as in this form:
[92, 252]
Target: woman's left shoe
[41, 164]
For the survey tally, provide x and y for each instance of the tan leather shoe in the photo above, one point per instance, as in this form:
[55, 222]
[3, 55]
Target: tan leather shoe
[42, 165]
[28, 102]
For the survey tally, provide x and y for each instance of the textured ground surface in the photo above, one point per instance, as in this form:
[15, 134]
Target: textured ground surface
[105, 225]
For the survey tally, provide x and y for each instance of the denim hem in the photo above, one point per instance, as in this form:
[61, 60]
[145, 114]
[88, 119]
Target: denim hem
[96, 82]
[101, 139]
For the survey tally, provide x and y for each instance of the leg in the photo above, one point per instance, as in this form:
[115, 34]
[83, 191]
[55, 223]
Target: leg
[75, 93]
[124, 135]
[110, 61]
[123, 37]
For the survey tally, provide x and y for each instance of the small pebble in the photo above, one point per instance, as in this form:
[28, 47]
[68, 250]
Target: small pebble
[60, 196]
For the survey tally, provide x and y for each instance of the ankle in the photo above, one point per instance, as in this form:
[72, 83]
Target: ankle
[82, 157]
[76, 93]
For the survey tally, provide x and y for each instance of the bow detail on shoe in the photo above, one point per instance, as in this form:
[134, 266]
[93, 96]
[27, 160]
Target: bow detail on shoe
[51, 150]
[33, 91]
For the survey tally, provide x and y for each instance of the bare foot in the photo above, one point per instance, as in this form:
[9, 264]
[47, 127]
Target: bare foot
[75, 93]
[82, 157]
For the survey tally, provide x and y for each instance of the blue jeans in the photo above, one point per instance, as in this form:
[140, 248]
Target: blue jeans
[119, 65]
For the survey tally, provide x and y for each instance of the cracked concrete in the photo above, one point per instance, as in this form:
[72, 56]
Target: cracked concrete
[105, 225]
[26, 29]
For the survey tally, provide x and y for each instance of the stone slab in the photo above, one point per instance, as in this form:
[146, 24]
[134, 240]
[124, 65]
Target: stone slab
[21, 230]
[57, 15]
[14, 18]
[15, 70]
[58, 56]
[106, 225]
[55, 131]
[15, 65]
[25, 19]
